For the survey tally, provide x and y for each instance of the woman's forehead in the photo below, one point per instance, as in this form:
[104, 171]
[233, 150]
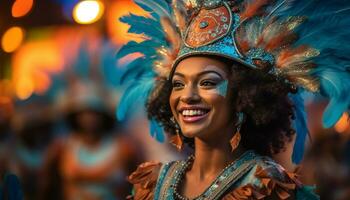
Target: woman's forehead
[199, 65]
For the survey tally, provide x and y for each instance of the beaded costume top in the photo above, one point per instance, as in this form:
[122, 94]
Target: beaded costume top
[249, 177]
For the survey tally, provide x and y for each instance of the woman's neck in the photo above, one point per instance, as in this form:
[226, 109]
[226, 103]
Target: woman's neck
[212, 158]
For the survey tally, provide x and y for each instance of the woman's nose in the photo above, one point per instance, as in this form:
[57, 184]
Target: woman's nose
[190, 95]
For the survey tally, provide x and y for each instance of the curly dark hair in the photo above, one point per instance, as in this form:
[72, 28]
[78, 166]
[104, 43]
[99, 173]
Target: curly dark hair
[260, 96]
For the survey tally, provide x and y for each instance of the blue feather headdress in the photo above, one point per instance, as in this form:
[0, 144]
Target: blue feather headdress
[304, 43]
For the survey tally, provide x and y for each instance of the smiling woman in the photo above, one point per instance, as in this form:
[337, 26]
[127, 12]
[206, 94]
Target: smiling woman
[196, 101]
[206, 92]
[200, 104]
[226, 78]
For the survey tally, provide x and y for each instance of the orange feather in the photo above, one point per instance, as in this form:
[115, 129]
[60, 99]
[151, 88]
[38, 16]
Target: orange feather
[287, 53]
[281, 40]
[253, 8]
[244, 46]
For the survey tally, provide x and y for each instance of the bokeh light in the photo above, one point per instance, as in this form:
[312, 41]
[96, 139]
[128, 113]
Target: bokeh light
[32, 65]
[12, 39]
[21, 7]
[343, 124]
[117, 30]
[87, 12]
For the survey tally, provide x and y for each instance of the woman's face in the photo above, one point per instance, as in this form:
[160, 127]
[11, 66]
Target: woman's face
[200, 99]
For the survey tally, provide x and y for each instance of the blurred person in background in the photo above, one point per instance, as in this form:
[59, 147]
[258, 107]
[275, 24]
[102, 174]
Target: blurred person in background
[327, 165]
[6, 135]
[10, 187]
[32, 124]
[94, 158]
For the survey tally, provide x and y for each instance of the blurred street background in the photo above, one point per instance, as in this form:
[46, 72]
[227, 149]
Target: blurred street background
[59, 90]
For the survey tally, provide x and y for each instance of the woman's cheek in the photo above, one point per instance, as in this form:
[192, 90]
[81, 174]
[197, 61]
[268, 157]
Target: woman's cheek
[220, 89]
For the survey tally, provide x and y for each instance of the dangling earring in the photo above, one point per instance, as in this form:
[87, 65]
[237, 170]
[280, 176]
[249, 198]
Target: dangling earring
[176, 140]
[234, 142]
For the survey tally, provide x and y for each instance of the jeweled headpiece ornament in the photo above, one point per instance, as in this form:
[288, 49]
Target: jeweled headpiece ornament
[304, 43]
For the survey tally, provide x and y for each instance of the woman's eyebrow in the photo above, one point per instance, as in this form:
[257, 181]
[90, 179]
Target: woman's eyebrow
[200, 73]
[208, 72]
[179, 74]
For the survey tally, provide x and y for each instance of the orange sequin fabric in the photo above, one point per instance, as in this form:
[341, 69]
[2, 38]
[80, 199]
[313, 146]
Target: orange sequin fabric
[271, 186]
[144, 180]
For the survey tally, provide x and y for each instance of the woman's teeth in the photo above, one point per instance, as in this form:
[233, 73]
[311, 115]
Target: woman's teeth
[193, 112]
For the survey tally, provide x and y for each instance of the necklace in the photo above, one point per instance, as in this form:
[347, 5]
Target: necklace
[183, 170]
[218, 182]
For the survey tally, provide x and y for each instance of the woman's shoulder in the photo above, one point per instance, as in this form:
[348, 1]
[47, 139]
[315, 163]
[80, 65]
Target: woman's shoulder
[145, 179]
[269, 180]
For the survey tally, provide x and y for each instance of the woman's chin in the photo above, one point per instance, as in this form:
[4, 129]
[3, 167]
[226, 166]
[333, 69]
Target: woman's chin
[193, 132]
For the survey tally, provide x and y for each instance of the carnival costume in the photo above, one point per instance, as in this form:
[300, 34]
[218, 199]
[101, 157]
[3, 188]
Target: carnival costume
[303, 43]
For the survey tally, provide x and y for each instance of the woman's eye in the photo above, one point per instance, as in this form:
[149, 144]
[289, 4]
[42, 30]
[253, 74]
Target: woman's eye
[177, 85]
[208, 83]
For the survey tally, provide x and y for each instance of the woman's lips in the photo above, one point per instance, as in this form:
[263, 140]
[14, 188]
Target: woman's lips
[191, 116]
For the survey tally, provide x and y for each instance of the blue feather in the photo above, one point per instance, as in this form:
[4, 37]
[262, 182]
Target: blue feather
[140, 71]
[109, 68]
[148, 48]
[327, 30]
[82, 64]
[148, 9]
[159, 7]
[142, 25]
[134, 70]
[156, 131]
[300, 126]
[136, 94]
[335, 84]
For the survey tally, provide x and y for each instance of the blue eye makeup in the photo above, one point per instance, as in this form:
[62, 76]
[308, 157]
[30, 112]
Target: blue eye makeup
[222, 88]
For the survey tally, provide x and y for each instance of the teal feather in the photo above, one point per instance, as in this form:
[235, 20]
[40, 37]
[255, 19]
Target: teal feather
[335, 84]
[142, 25]
[160, 7]
[156, 131]
[140, 71]
[135, 94]
[326, 30]
[148, 48]
[81, 66]
[133, 70]
[300, 126]
[109, 66]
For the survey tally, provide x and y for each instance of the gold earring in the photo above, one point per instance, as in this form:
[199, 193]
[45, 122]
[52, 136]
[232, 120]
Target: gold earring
[176, 140]
[236, 139]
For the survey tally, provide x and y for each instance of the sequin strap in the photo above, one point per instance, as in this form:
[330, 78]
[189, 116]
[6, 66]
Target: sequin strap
[163, 172]
[232, 174]
[169, 177]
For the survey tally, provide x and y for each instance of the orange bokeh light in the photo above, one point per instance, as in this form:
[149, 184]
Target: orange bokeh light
[21, 7]
[343, 124]
[32, 65]
[118, 30]
[6, 103]
[12, 39]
